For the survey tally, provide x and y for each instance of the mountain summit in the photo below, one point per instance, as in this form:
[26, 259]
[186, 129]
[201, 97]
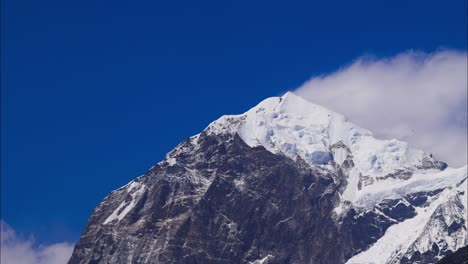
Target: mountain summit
[286, 182]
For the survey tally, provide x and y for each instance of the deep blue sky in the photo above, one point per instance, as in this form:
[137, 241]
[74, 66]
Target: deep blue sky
[93, 93]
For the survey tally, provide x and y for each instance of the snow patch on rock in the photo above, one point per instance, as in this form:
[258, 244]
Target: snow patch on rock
[262, 260]
[135, 190]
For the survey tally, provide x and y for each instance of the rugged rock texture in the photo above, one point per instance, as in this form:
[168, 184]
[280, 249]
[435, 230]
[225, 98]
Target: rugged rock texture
[459, 257]
[244, 205]
[216, 199]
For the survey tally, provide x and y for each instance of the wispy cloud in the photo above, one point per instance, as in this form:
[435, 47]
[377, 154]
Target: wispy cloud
[18, 250]
[417, 97]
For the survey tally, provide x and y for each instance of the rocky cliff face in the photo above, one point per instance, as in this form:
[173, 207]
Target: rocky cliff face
[286, 182]
[458, 257]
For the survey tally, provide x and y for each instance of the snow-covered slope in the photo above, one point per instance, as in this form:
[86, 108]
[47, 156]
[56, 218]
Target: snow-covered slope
[429, 229]
[292, 126]
[295, 127]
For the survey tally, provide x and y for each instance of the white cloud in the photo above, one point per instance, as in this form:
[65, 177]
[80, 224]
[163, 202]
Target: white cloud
[416, 97]
[18, 250]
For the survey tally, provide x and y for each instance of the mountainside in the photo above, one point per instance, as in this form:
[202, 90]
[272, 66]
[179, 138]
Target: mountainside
[286, 182]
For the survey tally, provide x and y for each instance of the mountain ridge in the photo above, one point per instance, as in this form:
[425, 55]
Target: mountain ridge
[351, 186]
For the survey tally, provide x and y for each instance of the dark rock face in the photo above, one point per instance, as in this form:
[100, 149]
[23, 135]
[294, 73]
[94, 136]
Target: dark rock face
[420, 199]
[217, 200]
[397, 210]
[256, 205]
[459, 257]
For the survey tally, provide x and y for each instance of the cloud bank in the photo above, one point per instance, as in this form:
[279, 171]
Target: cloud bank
[417, 97]
[17, 250]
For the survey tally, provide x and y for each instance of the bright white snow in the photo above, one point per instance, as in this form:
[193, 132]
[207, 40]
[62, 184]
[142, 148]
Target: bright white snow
[135, 189]
[298, 128]
[262, 260]
[421, 181]
[400, 237]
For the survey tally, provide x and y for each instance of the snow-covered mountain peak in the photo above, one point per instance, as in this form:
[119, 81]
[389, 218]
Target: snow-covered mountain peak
[292, 126]
[361, 200]
[296, 127]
